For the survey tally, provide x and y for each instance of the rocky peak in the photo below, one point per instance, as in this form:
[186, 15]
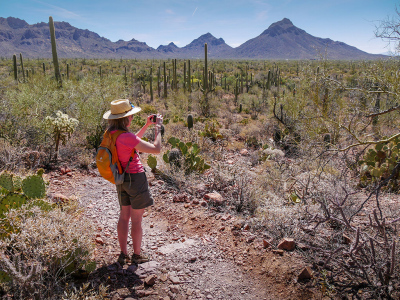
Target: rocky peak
[16, 23]
[281, 27]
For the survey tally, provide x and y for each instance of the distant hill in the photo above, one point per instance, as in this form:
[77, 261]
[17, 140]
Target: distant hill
[282, 40]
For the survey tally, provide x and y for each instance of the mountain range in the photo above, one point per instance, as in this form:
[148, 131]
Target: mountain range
[282, 40]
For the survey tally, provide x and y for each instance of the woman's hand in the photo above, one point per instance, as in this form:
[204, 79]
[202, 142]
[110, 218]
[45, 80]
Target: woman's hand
[149, 120]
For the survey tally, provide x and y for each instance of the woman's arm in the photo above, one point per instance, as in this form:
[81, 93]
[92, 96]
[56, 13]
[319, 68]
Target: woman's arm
[154, 148]
[144, 128]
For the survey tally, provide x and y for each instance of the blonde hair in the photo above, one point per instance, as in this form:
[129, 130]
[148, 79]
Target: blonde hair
[118, 124]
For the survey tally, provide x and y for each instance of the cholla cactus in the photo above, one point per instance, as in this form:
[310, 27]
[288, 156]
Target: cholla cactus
[61, 128]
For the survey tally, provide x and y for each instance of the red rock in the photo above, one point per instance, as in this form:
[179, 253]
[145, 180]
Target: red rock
[99, 240]
[203, 203]
[305, 274]
[195, 201]
[215, 198]
[287, 244]
[150, 280]
[280, 252]
[266, 244]
[180, 198]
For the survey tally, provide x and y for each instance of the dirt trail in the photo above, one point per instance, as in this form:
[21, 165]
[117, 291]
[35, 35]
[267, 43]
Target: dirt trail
[196, 253]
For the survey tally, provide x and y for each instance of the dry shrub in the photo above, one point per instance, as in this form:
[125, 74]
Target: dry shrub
[44, 249]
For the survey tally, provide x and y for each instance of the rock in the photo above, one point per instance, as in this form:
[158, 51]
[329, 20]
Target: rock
[203, 203]
[279, 251]
[164, 277]
[195, 201]
[183, 197]
[99, 240]
[174, 289]
[303, 247]
[346, 239]
[266, 244]
[287, 244]
[124, 292]
[174, 279]
[246, 227]
[250, 239]
[305, 274]
[244, 152]
[214, 198]
[150, 280]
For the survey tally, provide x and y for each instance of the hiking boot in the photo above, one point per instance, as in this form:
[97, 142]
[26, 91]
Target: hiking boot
[123, 258]
[139, 258]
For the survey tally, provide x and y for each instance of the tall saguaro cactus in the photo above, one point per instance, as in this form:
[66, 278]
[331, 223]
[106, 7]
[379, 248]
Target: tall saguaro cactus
[15, 68]
[22, 66]
[205, 88]
[54, 51]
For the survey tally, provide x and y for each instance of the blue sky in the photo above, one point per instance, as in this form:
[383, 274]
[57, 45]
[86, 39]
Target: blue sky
[159, 22]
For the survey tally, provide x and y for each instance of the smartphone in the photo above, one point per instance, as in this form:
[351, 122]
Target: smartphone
[153, 118]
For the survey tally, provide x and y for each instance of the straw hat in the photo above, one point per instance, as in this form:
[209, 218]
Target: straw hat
[121, 108]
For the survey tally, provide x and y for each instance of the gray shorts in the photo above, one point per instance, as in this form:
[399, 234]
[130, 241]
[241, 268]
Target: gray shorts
[135, 191]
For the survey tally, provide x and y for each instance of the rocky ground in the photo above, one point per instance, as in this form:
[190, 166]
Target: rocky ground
[196, 252]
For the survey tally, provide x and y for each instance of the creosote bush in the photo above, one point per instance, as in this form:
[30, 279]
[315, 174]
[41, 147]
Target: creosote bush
[44, 250]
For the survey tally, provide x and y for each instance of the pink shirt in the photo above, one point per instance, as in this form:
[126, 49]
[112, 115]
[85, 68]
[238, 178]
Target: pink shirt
[125, 144]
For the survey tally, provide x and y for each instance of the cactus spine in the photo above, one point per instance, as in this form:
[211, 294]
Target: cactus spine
[54, 51]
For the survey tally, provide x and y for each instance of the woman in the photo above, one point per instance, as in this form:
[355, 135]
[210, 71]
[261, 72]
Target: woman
[133, 194]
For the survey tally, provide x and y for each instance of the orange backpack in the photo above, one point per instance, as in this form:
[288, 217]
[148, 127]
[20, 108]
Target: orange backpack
[107, 158]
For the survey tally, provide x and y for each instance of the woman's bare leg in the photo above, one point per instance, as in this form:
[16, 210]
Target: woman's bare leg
[123, 228]
[136, 229]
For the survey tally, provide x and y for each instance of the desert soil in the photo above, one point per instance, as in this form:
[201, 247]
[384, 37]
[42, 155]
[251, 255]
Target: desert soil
[196, 252]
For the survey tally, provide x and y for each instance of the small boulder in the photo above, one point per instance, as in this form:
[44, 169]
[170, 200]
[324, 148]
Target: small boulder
[305, 274]
[266, 244]
[287, 244]
[150, 280]
[214, 198]
[99, 241]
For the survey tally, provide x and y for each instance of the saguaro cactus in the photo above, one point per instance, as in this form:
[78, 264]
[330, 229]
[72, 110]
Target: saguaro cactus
[190, 121]
[22, 66]
[15, 67]
[54, 51]
[165, 82]
[189, 83]
[151, 83]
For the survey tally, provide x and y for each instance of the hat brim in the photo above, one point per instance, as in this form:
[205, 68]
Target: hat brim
[109, 116]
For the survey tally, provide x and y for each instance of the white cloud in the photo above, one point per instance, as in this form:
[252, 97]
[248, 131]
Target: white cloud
[169, 11]
[58, 11]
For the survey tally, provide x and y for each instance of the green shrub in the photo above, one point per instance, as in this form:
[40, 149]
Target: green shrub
[191, 160]
[43, 250]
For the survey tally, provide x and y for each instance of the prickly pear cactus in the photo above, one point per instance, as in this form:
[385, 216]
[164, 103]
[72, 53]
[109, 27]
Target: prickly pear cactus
[6, 181]
[11, 200]
[34, 187]
[379, 163]
[152, 162]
